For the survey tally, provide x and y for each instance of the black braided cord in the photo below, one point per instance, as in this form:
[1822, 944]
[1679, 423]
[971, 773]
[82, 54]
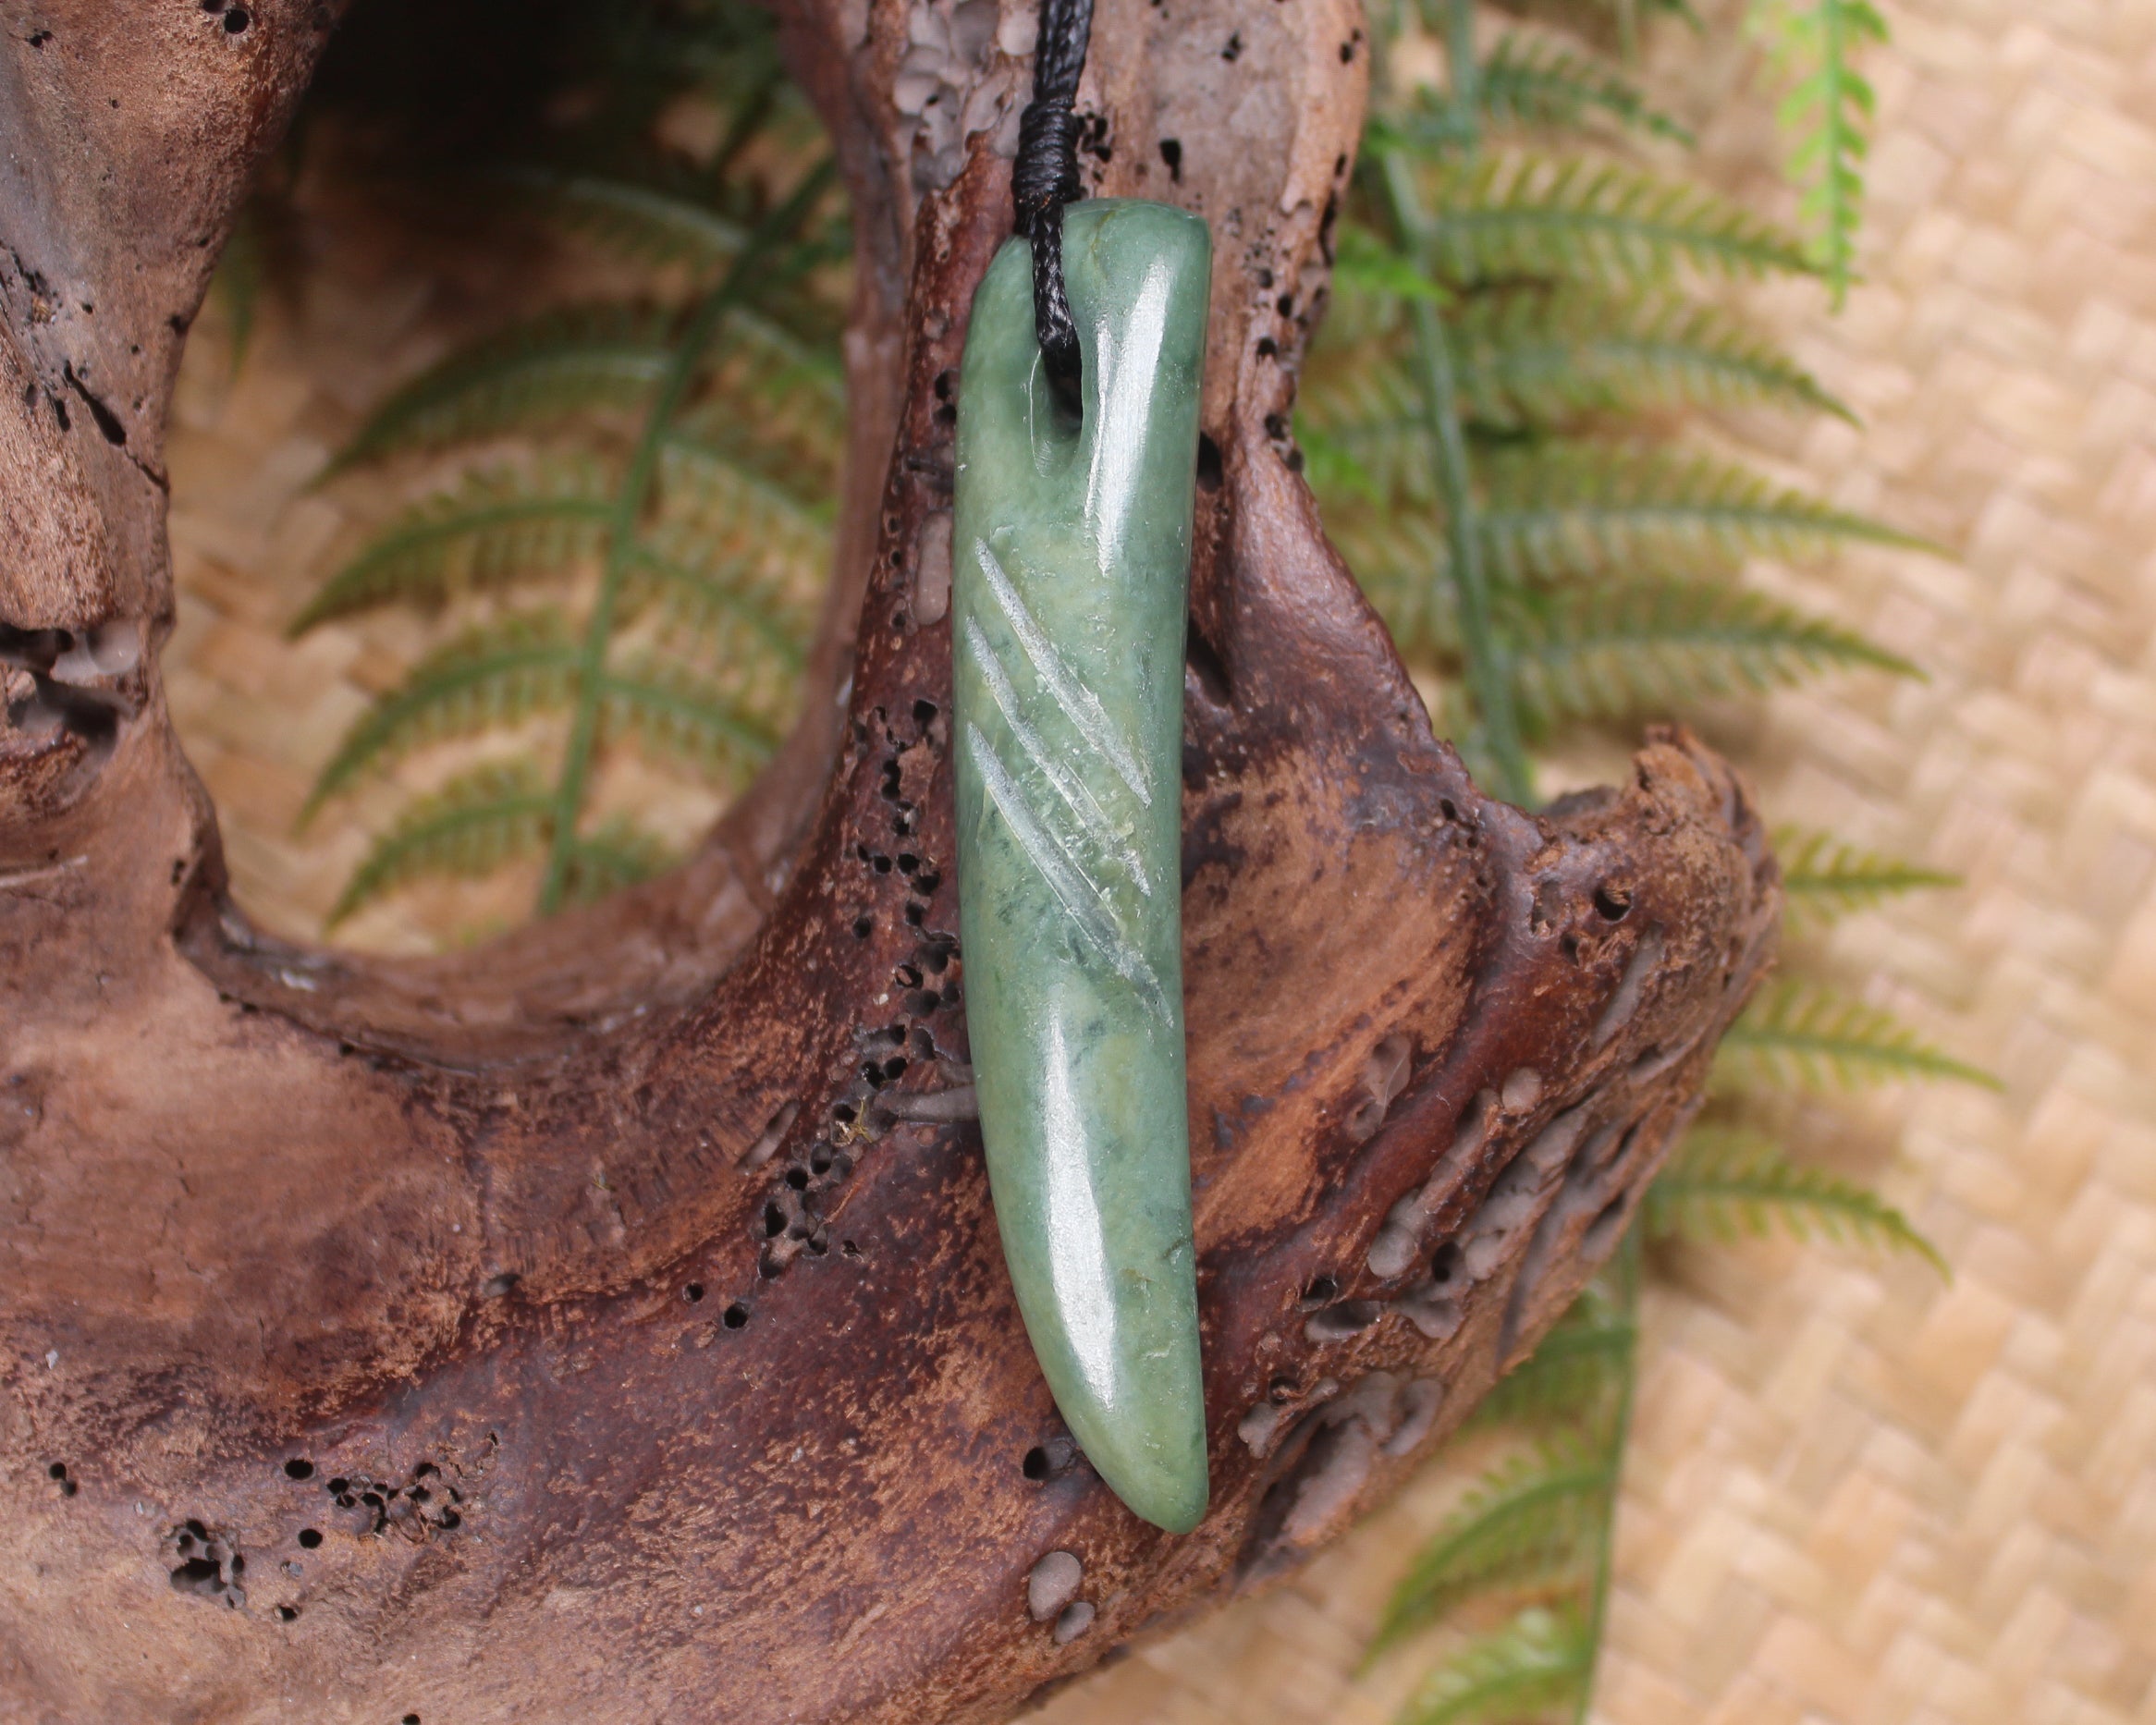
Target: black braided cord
[1044, 179]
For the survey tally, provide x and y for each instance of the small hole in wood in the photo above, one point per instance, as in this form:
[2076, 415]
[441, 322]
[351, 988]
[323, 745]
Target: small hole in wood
[1211, 471]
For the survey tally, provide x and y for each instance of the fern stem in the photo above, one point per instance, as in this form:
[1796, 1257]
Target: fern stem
[747, 124]
[1840, 151]
[1488, 673]
[1625, 1274]
[629, 508]
[1464, 73]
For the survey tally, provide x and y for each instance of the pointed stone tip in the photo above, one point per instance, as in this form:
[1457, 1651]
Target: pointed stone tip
[1173, 1499]
[1182, 1516]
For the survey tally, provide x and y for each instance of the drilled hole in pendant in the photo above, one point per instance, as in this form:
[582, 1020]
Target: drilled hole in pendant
[1051, 423]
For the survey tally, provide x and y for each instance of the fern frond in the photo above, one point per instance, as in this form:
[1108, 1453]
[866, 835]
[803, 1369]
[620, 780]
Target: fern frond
[1533, 81]
[672, 711]
[1540, 360]
[1570, 511]
[469, 827]
[588, 359]
[1515, 214]
[1724, 1183]
[1823, 118]
[1360, 423]
[794, 369]
[1401, 558]
[1331, 468]
[1822, 877]
[1539, 357]
[491, 530]
[1576, 1368]
[1363, 261]
[1798, 1037]
[1535, 1666]
[1579, 508]
[642, 220]
[1604, 652]
[619, 854]
[746, 516]
[715, 605]
[489, 677]
[1529, 1523]
[775, 413]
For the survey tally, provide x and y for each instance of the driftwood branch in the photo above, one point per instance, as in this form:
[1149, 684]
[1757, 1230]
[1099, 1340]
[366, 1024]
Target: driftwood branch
[610, 1326]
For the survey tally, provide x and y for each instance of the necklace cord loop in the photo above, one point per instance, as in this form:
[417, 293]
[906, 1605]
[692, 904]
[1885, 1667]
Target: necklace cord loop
[1045, 178]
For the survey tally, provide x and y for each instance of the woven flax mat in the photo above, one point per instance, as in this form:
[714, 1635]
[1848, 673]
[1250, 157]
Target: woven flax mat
[1855, 1494]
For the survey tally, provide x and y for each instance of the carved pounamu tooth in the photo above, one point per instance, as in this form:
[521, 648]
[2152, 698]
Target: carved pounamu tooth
[1071, 569]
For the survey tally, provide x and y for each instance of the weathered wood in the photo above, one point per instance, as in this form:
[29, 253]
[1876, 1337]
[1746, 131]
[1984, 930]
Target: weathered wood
[603, 1302]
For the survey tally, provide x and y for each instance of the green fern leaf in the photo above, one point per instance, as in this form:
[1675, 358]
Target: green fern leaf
[1510, 214]
[1403, 559]
[1724, 1183]
[1539, 358]
[1538, 1665]
[1532, 81]
[674, 712]
[794, 368]
[492, 530]
[1823, 879]
[1824, 118]
[1364, 261]
[1798, 1037]
[474, 825]
[747, 517]
[1578, 510]
[1575, 511]
[588, 359]
[645, 221]
[1536, 360]
[619, 854]
[1528, 1524]
[1576, 1370]
[489, 677]
[1360, 423]
[1332, 469]
[787, 478]
[1606, 652]
[717, 608]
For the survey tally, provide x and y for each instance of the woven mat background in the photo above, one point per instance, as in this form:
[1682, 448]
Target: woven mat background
[1855, 1495]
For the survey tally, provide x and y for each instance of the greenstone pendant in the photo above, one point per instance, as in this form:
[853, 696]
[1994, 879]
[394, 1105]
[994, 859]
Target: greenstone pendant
[1070, 547]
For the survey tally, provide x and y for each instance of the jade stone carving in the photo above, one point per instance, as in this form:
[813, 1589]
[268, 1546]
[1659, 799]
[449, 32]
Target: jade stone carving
[1071, 569]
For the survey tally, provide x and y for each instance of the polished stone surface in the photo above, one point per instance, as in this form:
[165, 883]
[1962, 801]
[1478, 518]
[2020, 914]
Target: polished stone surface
[1071, 568]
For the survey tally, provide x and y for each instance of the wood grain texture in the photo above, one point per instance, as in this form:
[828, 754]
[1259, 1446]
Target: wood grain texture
[577, 1330]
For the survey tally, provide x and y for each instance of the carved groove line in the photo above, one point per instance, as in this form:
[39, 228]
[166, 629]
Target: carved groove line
[1078, 896]
[1080, 705]
[1093, 820]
